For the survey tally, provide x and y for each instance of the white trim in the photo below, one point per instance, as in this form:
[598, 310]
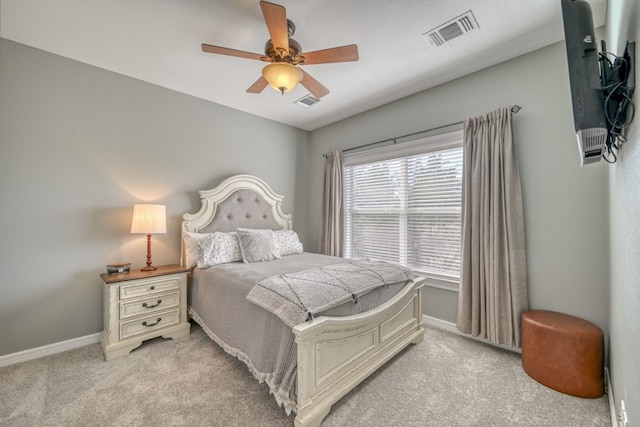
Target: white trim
[48, 350]
[440, 324]
[451, 327]
[434, 282]
[445, 141]
[612, 401]
[426, 144]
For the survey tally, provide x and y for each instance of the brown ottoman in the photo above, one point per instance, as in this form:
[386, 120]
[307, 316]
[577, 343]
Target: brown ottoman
[563, 352]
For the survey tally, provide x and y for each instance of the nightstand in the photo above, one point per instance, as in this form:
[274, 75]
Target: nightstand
[141, 305]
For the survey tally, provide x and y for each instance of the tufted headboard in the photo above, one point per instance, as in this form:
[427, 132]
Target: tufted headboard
[239, 201]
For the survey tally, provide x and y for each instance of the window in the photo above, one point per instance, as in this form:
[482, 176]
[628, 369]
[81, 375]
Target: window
[403, 204]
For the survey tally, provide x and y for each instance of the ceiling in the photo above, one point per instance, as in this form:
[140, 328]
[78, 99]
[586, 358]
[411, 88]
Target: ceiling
[158, 41]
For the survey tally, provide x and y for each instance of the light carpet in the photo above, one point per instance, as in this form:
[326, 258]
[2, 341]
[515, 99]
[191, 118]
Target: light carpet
[446, 380]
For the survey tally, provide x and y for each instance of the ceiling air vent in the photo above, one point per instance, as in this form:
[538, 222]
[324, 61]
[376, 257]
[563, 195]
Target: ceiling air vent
[306, 101]
[450, 30]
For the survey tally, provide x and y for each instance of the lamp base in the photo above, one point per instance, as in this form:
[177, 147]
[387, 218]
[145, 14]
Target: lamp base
[149, 267]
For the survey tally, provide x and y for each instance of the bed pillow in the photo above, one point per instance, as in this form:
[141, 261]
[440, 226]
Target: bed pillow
[191, 247]
[288, 242]
[257, 245]
[218, 248]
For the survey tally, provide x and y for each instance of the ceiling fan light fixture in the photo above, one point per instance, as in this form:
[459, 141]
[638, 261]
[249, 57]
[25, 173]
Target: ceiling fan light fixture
[282, 76]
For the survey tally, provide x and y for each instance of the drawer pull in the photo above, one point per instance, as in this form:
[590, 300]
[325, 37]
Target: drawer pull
[151, 324]
[152, 287]
[145, 305]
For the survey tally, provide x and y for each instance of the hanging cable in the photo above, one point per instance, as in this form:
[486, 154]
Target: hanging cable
[619, 109]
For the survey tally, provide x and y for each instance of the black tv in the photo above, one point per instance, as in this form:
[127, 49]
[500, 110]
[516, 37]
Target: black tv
[584, 78]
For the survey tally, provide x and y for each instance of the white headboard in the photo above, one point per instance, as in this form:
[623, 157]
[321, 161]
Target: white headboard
[239, 201]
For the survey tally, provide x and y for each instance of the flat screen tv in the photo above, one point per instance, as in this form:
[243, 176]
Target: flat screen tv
[584, 78]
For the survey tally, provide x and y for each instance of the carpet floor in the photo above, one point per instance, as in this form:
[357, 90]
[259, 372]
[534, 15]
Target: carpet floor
[446, 380]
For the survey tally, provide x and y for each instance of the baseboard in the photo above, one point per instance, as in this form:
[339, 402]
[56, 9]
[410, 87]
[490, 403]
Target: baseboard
[47, 350]
[440, 324]
[612, 401]
[451, 327]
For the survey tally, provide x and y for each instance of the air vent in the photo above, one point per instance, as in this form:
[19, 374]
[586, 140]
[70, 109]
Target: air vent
[306, 101]
[452, 29]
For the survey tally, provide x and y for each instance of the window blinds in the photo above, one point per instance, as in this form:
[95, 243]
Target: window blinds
[407, 209]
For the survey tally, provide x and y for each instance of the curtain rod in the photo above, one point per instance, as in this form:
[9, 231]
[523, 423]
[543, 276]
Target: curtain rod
[514, 110]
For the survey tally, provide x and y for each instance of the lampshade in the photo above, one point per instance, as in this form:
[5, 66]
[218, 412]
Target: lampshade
[149, 219]
[282, 76]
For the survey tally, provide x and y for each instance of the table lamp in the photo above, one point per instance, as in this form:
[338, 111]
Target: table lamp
[149, 219]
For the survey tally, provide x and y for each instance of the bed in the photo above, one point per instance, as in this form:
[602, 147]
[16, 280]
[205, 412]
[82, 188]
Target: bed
[309, 364]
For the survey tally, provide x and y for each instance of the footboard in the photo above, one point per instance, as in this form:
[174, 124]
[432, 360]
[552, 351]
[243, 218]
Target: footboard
[337, 353]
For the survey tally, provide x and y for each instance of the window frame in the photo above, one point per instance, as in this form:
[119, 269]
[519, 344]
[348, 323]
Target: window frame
[445, 140]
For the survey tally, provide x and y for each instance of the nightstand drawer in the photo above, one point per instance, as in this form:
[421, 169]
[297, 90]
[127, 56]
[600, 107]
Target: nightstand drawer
[149, 305]
[149, 323]
[150, 286]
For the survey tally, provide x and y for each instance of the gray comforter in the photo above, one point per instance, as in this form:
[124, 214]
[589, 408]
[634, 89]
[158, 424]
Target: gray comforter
[296, 297]
[217, 300]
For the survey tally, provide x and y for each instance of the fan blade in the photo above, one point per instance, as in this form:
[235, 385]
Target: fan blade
[275, 16]
[232, 52]
[312, 85]
[337, 54]
[258, 86]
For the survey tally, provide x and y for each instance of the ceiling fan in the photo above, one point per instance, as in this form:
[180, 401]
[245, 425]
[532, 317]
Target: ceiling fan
[285, 55]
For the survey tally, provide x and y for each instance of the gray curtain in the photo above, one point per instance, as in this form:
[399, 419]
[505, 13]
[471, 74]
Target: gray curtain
[332, 233]
[493, 288]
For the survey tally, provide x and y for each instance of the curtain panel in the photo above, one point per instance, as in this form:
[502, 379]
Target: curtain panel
[332, 228]
[493, 286]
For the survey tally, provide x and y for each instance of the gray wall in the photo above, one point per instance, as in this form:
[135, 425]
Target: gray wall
[565, 206]
[78, 147]
[623, 17]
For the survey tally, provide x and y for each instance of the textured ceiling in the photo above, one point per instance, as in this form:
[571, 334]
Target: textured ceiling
[158, 41]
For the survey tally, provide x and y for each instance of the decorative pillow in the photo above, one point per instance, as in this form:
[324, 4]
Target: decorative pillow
[288, 242]
[191, 247]
[257, 245]
[218, 248]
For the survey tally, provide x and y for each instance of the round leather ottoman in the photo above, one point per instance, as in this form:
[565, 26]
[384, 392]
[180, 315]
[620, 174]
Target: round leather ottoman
[563, 352]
